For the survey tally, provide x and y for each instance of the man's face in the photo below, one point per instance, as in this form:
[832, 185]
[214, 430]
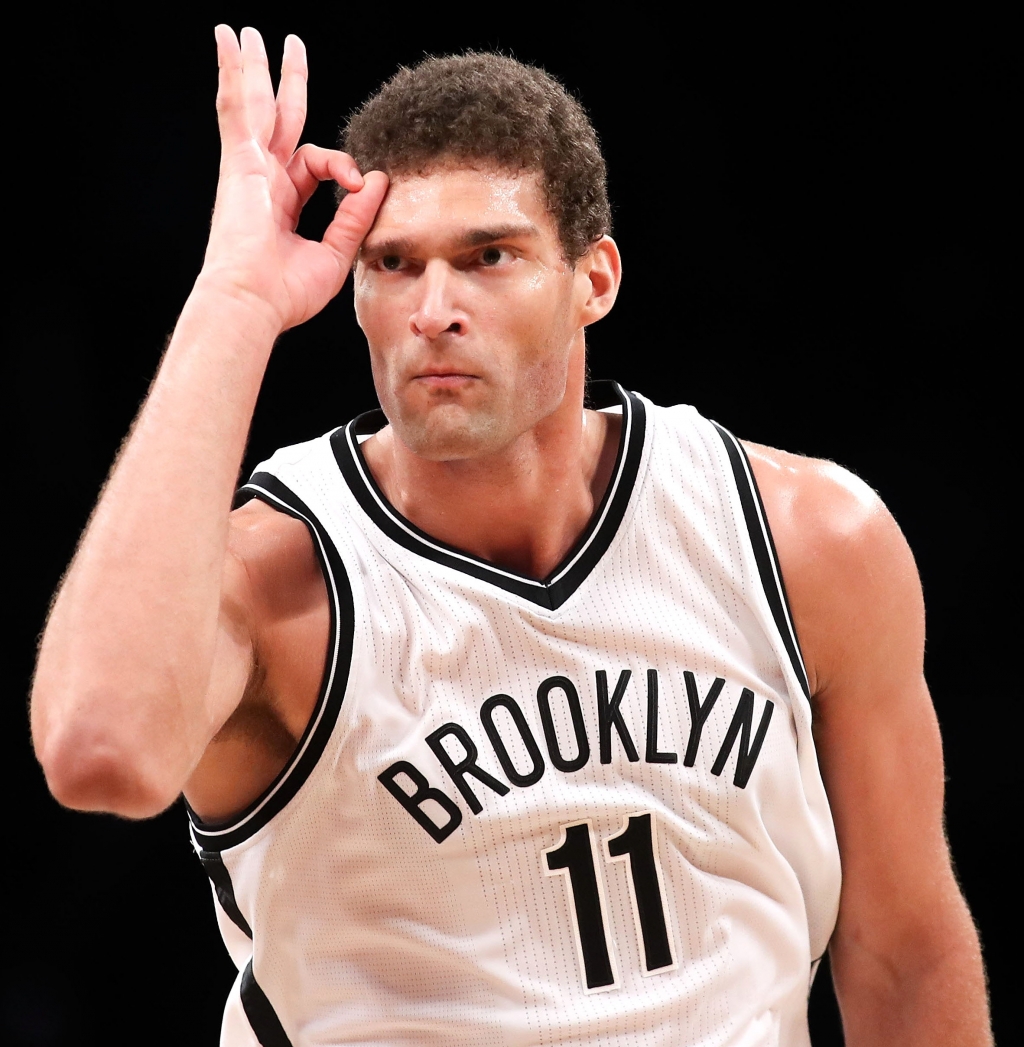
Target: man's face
[470, 310]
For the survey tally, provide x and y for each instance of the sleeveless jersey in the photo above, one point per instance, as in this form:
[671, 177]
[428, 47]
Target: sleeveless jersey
[583, 810]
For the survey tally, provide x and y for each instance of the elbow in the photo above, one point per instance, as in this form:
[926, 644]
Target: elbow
[89, 769]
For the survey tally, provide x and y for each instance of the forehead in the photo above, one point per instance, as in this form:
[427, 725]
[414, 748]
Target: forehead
[454, 201]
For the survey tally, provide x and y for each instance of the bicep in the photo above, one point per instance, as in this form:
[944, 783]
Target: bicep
[876, 731]
[881, 761]
[859, 611]
[905, 954]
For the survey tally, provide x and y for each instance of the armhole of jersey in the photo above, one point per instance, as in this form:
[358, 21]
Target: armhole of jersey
[221, 836]
[764, 552]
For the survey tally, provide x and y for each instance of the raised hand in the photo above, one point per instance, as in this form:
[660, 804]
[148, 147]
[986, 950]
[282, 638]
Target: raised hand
[149, 643]
[254, 252]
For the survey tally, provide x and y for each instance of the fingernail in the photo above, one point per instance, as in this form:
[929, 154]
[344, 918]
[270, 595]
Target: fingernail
[255, 33]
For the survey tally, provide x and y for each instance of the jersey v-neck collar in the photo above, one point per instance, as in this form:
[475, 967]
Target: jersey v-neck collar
[566, 578]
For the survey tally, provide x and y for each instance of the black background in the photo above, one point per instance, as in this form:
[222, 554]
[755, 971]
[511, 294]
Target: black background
[813, 219]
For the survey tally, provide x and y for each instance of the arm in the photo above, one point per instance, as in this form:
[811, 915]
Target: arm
[905, 955]
[149, 645]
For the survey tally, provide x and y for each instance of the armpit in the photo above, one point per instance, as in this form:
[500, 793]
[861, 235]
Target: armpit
[256, 723]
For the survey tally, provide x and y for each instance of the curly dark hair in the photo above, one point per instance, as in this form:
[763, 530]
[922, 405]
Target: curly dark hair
[489, 108]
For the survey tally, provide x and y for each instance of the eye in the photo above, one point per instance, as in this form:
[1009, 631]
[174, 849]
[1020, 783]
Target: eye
[491, 255]
[391, 262]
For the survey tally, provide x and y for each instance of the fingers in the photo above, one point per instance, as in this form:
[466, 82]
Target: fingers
[311, 165]
[245, 96]
[291, 99]
[257, 90]
[230, 105]
[355, 216]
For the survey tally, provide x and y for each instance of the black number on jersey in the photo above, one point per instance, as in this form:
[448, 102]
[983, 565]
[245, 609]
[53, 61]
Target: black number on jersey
[573, 858]
[636, 843]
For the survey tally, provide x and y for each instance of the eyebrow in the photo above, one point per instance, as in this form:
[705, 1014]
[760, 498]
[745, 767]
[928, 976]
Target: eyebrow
[500, 232]
[474, 238]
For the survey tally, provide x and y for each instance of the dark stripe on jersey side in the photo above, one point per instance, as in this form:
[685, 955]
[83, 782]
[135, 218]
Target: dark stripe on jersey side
[221, 880]
[764, 551]
[260, 1012]
[219, 837]
[567, 577]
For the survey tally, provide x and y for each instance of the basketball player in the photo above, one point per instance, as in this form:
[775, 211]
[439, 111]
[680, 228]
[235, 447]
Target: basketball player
[494, 720]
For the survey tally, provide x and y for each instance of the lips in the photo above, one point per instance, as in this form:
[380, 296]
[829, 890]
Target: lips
[444, 379]
[440, 371]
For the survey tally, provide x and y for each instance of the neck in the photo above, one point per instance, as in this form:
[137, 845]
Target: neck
[522, 508]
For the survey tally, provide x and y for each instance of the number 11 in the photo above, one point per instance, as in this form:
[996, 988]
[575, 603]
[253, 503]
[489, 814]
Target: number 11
[573, 858]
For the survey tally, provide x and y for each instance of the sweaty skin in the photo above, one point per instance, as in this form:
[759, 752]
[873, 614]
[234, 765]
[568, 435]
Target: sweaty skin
[185, 647]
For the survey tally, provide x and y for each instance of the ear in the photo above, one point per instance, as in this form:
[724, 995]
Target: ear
[599, 273]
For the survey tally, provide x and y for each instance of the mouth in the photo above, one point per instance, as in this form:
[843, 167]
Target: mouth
[444, 378]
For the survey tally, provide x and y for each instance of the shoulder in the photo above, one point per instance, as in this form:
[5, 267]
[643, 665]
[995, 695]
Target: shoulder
[850, 576]
[826, 502]
[271, 562]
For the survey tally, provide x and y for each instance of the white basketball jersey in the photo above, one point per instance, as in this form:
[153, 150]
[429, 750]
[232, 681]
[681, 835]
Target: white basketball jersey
[583, 810]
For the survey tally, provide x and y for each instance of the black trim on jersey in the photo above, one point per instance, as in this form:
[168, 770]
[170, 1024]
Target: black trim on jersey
[260, 1012]
[764, 551]
[567, 577]
[220, 836]
[221, 880]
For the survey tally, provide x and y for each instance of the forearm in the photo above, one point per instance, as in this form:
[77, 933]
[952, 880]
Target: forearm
[121, 688]
[928, 991]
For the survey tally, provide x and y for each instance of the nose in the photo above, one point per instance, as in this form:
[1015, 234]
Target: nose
[435, 312]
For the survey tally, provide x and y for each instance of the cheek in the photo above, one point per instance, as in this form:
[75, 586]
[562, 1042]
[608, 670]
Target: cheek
[375, 319]
[542, 332]
[379, 310]
[542, 319]
[367, 305]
